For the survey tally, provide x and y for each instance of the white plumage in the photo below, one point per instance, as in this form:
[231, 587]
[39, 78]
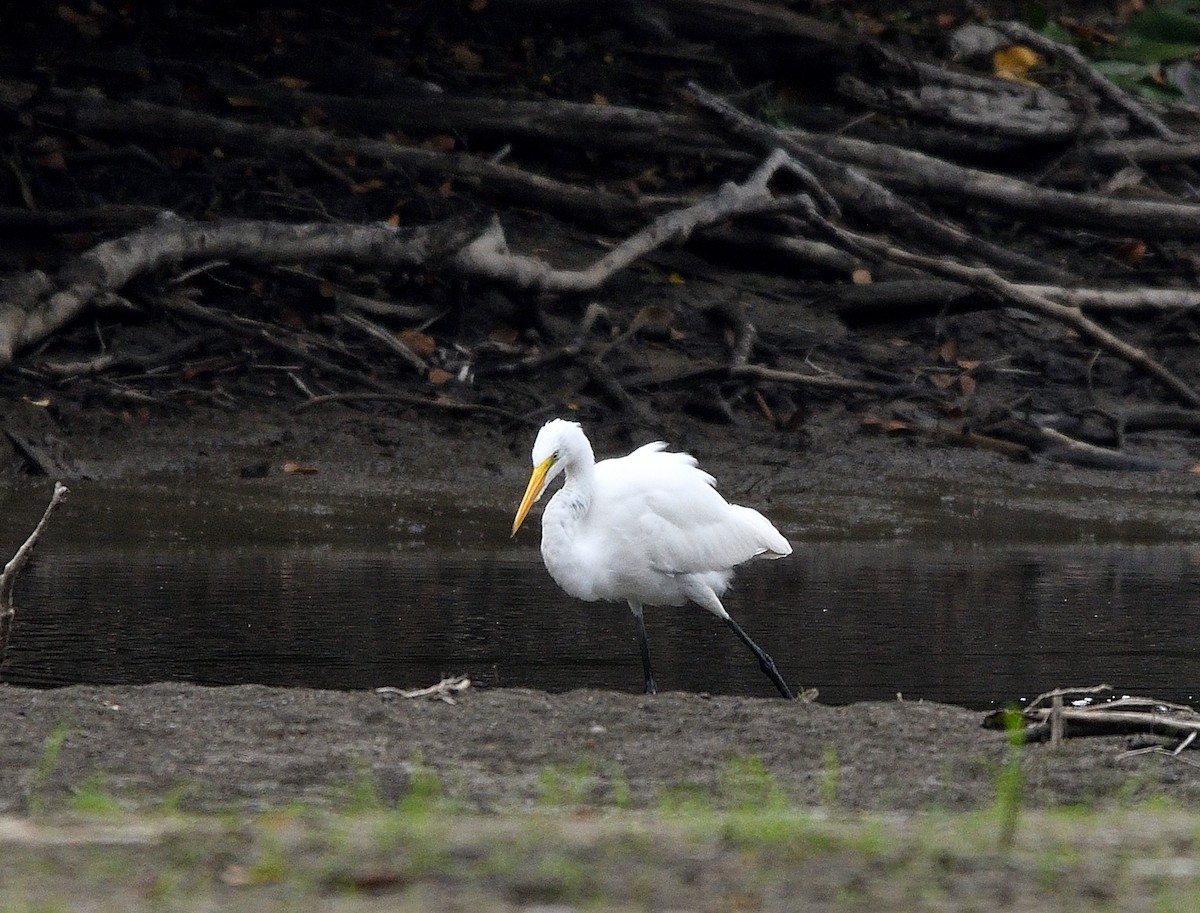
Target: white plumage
[649, 528]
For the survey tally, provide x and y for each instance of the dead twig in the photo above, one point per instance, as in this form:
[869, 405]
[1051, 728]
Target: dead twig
[443, 690]
[488, 255]
[8, 577]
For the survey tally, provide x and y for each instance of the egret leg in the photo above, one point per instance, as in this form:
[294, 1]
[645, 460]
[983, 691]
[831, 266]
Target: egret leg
[644, 644]
[764, 662]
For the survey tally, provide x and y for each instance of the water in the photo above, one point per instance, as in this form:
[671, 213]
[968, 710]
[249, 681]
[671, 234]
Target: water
[297, 588]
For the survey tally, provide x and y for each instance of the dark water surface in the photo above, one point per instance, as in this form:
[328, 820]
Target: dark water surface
[143, 585]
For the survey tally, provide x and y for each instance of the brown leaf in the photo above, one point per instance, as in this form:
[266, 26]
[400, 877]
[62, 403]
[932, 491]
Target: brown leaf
[85, 25]
[948, 351]
[422, 344]
[505, 335]
[300, 469]
[966, 383]
[969, 364]
[326, 289]
[367, 186]
[293, 82]
[861, 277]
[243, 101]
[314, 116]
[942, 381]
[598, 99]
[437, 376]
[439, 142]
[466, 58]
[1131, 252]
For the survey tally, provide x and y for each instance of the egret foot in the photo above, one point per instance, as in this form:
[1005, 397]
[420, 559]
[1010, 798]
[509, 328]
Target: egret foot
[764, 662]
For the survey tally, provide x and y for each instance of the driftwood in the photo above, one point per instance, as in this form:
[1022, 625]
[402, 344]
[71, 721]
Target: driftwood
[34, 305]
[8, 577]
[1090, 717]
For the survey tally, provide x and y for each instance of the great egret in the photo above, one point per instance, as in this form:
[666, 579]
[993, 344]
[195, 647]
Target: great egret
[648, 528]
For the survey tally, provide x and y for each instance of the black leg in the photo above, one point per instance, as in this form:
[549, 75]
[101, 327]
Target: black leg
[764, 662]
[645, 646]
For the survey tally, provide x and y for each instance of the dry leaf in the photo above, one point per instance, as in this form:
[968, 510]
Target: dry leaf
[300, 469]
[466, 58]
[969, 364]
[394, 219]
[1131, 252]
[887, 426]
[326, 289]
[243, 101]
[966, 383]
[942, 381]
[314, 116]
[861, 277]
[439, 142]
[948, 351]
[1014, 62]
[85, 25]
[422, 344]
[505, 335]
[676, 279]
[40, 403]
[598, 99]
[293, 82]
[654, 317]
[437, 376]
[367, 186]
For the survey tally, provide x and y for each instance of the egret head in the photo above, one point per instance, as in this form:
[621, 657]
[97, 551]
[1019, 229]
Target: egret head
[559, 445]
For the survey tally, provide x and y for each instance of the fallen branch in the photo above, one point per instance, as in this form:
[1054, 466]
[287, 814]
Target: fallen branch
[89, 113]
[992, 282]
[8, 577]
[1126, 716]
[488, 255]
[443, 690]
[868, 198]
[917, 172]
[33, 305]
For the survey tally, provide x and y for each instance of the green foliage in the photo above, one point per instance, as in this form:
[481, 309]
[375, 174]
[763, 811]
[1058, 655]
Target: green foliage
[1161, 34]
[92, 797]
[45, 766]
[747, 785]
[1010, 783]
[574, 785]
[829, 778]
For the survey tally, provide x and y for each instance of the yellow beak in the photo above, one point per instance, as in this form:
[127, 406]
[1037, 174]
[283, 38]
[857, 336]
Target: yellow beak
[536, 480]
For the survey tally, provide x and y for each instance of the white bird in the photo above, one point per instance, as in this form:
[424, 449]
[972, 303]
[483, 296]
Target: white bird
[649, 528]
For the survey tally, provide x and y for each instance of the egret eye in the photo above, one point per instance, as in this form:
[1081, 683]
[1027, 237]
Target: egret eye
[554, 456]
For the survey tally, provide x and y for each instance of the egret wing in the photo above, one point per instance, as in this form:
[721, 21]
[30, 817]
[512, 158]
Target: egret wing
[667, 512]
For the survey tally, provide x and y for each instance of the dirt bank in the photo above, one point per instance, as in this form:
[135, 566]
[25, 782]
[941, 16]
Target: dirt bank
[256, 747]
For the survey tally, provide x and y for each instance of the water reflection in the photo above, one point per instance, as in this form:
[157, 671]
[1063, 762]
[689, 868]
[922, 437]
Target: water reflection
[973, 625]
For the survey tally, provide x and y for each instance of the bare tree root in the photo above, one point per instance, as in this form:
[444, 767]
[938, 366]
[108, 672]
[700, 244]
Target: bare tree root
[8, 577]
